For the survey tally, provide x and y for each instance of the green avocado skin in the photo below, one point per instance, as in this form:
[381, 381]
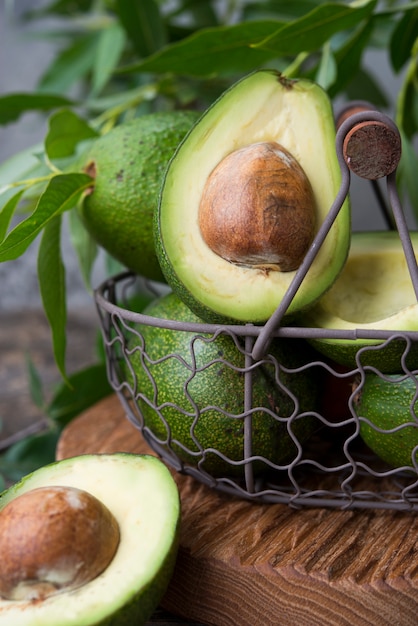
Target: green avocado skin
[386, 357]
[143, 603]
[389, 402]
[128, 164]
[170, 398]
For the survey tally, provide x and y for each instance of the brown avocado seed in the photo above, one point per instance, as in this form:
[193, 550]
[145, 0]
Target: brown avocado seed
[53, 539]
[258, 208]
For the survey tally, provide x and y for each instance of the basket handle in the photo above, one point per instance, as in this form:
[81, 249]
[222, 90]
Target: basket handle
[368, 143]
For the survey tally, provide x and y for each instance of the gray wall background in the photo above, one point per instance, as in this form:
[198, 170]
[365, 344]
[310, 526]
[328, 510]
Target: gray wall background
[22, 60]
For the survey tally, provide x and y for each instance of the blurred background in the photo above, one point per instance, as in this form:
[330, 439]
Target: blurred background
[24, 55]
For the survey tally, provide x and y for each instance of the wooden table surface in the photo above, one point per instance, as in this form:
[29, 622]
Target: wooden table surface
[267, 564]
[25, 334]
[239, 563]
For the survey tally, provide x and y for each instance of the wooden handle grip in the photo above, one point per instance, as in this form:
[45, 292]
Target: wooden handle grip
[372, 147]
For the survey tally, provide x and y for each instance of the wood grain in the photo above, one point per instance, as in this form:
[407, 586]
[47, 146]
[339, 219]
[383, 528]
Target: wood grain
[267, 564]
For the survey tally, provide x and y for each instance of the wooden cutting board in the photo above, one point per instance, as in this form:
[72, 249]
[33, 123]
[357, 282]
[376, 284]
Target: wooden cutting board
[248, 564]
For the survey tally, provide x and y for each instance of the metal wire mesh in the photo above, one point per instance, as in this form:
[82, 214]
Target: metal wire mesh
[280, 440]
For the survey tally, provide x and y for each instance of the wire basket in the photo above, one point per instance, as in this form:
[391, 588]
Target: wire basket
[281, 444]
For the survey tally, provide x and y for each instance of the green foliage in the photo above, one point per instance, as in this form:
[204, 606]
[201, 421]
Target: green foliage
[126, 57]
[80, 391]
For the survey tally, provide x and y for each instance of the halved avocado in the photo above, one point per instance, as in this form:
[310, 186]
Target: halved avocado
[373, 292]
[142, 496]
[263, 108]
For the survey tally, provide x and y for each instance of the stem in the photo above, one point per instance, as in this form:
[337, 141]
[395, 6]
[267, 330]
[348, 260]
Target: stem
[145, 92]
[37, 427]
[294, 67]
[29, 182]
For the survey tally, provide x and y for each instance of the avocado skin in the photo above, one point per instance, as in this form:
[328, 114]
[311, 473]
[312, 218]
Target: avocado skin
[381, 255]
[216, 388]
[386, 403]
[129, 164]
[386, 357]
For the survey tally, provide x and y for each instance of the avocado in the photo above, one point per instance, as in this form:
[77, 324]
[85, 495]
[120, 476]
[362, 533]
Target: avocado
[189, 387]
[373, 292]
[138, 493]
[389, 404]
[128, 164]
[243, 196]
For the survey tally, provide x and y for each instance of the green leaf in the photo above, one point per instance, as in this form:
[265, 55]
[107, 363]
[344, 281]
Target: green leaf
[327, 71]
[22, 165]
[278, 9]
[364, 86]
[51, 276]
[407, 103]
[123, 100]
[84, 245]
[7, 213]
[66, 130]
[35, 383]
[212, 51]
[202, 14]
[407, 172]
[71, 65]
[61, 194]
[86, 387]
[143, 23]
[403, 39]
[109, 50]
[29, 454]
[14, 105]
[349, 57]
[60, 7]
[311, 31]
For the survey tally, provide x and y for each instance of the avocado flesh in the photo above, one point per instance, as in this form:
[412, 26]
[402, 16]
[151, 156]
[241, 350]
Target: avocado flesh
[373, 292]
[143, 497]
[262, 107]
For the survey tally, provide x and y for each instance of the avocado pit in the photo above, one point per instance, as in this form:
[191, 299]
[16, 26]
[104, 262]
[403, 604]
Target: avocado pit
[54, 539]
[258, 208]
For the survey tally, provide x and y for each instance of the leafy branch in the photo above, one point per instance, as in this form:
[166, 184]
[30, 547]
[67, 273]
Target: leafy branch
[127, 57]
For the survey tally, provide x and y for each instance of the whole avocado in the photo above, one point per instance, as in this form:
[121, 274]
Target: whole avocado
[190, 390]
[128, 165]
[389, 403]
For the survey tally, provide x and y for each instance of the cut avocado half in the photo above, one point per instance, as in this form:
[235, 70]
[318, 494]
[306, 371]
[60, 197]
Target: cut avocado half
[143, 498]
[373, 292]
[263, 109]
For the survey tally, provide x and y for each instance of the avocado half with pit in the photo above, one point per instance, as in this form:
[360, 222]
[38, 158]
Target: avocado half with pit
[373, 292]
[243, 197]
[86, 541]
